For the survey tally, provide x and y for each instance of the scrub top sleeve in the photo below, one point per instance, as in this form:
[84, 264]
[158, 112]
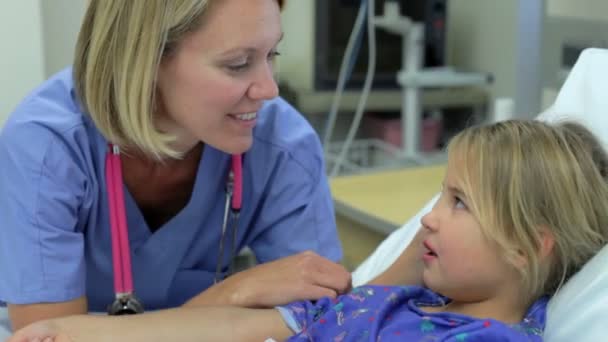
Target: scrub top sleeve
[41, 190]
[303, 314]
[297, 215]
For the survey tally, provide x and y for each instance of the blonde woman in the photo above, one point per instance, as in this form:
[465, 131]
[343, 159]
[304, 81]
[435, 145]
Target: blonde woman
[176, 87]
[524, 206]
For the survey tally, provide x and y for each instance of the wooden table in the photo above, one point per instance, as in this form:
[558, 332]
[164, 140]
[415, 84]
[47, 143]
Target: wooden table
[386, 200]
[371, 206]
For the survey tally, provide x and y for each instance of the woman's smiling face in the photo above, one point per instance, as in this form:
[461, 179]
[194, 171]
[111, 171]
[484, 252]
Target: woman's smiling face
[212, 86]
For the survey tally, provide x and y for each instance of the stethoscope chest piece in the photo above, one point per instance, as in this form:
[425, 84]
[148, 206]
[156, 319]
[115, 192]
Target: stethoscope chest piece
[125, 305]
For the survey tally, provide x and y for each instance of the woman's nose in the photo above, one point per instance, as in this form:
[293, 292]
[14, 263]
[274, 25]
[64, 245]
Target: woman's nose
[264, 86]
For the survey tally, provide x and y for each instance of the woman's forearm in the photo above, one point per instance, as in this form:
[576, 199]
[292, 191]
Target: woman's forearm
[302, 276]
[216, 295]
[182, 324]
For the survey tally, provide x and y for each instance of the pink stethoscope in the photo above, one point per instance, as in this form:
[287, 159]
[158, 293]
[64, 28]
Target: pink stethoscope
[125, 301]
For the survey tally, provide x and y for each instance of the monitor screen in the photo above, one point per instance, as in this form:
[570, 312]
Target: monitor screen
[334, 22]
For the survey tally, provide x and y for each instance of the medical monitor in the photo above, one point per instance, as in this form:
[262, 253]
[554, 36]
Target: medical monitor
[334, 22]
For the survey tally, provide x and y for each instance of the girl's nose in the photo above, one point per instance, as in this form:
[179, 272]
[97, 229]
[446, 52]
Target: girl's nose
[430, 221]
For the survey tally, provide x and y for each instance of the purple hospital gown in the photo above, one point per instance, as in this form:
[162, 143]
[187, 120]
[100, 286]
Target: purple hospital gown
[390, 313]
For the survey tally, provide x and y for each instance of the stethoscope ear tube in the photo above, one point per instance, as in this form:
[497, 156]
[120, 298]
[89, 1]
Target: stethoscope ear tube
[237, 171]
[232, 208]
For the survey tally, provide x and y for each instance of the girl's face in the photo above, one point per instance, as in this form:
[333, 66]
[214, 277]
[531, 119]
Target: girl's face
[459, 262]
[211, 87]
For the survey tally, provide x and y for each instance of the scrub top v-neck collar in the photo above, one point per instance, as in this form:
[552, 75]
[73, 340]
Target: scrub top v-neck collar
[166, 248]
[181, 227]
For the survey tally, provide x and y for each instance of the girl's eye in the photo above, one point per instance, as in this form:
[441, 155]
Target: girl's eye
[458, 203]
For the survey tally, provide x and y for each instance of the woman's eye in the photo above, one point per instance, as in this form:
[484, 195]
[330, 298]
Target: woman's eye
[273, 54]
[238, 67]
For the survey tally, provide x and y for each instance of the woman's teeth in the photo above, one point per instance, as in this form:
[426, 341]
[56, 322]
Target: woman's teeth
[246, 117]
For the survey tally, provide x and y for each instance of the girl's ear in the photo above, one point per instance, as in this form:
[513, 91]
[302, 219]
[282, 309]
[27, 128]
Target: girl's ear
[547, 241]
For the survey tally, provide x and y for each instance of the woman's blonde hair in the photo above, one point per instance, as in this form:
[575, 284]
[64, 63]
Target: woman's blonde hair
[527, 178]
[118, 52]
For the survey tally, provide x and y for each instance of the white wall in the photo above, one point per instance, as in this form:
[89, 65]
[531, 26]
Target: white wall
[503, 38]
[297, 48]
[21, 59]
[473, 26]
[581, 9]
[581, 23]
[60, 22]
[519, 41]
[38, 38]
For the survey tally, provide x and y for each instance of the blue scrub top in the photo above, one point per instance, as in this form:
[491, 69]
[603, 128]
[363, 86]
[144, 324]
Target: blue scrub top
[54, 229]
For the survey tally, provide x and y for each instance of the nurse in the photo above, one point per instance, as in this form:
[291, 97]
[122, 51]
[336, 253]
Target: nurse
[177, 86]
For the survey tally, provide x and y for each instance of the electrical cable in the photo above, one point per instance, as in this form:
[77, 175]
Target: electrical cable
[344, 73]
[371, 68]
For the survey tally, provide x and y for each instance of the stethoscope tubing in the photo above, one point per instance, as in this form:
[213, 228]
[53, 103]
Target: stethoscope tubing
[121, 257]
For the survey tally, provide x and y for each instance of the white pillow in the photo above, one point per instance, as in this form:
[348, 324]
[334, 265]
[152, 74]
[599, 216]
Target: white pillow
[579, 311]
[584, 95]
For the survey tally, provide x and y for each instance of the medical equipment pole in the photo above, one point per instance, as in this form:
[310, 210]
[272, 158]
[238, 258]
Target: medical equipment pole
[412, 56]
[412, 52]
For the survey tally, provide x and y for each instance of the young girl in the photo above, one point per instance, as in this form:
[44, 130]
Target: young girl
[524, 205]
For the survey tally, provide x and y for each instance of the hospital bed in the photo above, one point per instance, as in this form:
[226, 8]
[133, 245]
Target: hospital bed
[579, 311]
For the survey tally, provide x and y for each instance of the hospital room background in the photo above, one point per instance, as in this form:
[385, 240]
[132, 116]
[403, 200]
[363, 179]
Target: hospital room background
[478, 60]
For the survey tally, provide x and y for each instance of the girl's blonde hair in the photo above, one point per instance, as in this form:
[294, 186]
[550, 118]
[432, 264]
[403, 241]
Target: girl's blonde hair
[118, 52]
[528, 178]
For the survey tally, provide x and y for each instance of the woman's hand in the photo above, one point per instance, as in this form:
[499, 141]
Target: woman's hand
[304, 276]
[42, 331]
